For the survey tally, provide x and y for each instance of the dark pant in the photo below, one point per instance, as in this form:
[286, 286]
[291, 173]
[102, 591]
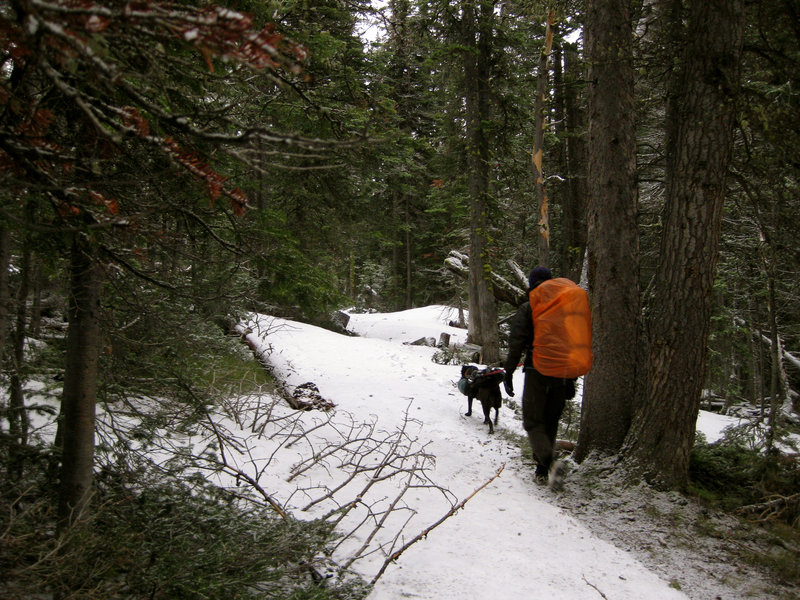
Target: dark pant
[543, 401]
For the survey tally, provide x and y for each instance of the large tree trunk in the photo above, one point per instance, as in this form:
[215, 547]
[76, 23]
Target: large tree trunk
[575, 199]
[17, 418]
[699, 140]
[613, 241]
[482, 309]
[537, 156]
[80, 383]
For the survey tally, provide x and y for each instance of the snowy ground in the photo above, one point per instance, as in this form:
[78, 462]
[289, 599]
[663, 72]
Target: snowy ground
[514, 538]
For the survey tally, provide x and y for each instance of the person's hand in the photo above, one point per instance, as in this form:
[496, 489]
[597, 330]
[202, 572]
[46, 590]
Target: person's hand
[508, 383]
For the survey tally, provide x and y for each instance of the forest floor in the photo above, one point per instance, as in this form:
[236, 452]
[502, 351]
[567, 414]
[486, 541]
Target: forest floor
[706, 553]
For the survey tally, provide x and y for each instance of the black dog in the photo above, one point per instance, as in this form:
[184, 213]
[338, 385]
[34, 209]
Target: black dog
[485, 386]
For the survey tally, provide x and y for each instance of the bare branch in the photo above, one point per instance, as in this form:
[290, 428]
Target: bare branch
[395, 555]
[503, 289]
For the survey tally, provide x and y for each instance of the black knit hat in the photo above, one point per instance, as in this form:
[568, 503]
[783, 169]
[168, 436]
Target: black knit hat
[538, 275]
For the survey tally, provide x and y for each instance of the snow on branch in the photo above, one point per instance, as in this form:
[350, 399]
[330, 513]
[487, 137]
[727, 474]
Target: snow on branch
[504, 290]
[787, 356]
[777, 507]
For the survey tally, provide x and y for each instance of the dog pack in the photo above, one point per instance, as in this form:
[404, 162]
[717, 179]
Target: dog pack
[562, 329]
[475, 378]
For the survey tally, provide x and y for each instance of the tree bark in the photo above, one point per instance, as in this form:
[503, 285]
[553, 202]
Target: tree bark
[502, 289]
[537, 156]
[700, 123]
[80, 383]
[613, 241]
[775, 361]
[482, 310]
[575, 201]
[17, 415]
[5, 292]
[409, 264]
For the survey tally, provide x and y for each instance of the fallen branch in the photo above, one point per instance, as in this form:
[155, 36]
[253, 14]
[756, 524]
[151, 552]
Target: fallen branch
[771, 509]
[424, 533]
[237, 472]
[591, 585]
[503, 290]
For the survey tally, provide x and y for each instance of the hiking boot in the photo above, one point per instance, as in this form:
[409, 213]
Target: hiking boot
[555, 479]
[540, 475]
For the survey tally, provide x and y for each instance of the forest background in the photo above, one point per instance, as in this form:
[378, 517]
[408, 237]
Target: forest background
[170, 167]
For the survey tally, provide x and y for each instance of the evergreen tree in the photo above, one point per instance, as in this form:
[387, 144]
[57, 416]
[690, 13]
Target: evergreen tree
[109, 111]
[700, 119]
[613, 236]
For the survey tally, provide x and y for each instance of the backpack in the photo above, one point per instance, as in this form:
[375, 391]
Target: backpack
[490, 375]
[562, 329]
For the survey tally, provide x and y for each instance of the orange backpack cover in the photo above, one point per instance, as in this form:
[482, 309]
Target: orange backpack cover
[562, 329]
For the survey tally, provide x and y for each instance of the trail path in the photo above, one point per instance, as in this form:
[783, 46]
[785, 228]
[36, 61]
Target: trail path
[510, 541]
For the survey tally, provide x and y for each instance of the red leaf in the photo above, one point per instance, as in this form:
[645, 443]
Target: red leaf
[131, 117]
[238, 202]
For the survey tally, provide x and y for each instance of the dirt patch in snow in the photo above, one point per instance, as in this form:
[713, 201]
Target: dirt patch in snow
[706, 554]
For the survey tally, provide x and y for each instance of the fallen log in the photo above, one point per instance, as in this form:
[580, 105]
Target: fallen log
[503, 290]
[775, 508]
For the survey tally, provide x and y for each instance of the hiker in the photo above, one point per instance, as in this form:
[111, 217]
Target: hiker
[554, 333]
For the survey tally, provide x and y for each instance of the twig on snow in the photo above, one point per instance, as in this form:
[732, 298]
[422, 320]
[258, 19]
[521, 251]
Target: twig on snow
[591, 585]
[395, 555]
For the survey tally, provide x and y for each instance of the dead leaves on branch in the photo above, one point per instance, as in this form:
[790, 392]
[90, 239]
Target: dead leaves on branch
[78, 57]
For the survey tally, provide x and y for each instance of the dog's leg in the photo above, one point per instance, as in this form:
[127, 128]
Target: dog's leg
[469, 406]
[487, 414]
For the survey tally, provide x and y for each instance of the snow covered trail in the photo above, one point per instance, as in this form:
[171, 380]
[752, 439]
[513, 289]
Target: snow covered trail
[509, 541]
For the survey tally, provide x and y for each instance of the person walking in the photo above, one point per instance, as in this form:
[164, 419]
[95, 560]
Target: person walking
[553, 332]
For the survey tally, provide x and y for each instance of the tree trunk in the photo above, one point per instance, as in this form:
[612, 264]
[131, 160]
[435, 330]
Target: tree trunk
[5, 293]
[613, 242]
[17, 415]
[409, 265]
[351, 276]
[80, 383]
[699, 140]
[396, 277]
[774, 373]
[575, 200]
[502, 289]
[482, 310]
[757, 360]
[537, 156]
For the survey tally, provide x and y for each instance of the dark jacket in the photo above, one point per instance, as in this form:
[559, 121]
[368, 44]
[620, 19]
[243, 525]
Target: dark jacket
[520, 339]
[520, 343]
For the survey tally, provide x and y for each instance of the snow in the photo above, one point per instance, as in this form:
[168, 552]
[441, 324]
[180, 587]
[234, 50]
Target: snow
[713, 425]
[511, 539]
[428, 503]
[467, 520]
